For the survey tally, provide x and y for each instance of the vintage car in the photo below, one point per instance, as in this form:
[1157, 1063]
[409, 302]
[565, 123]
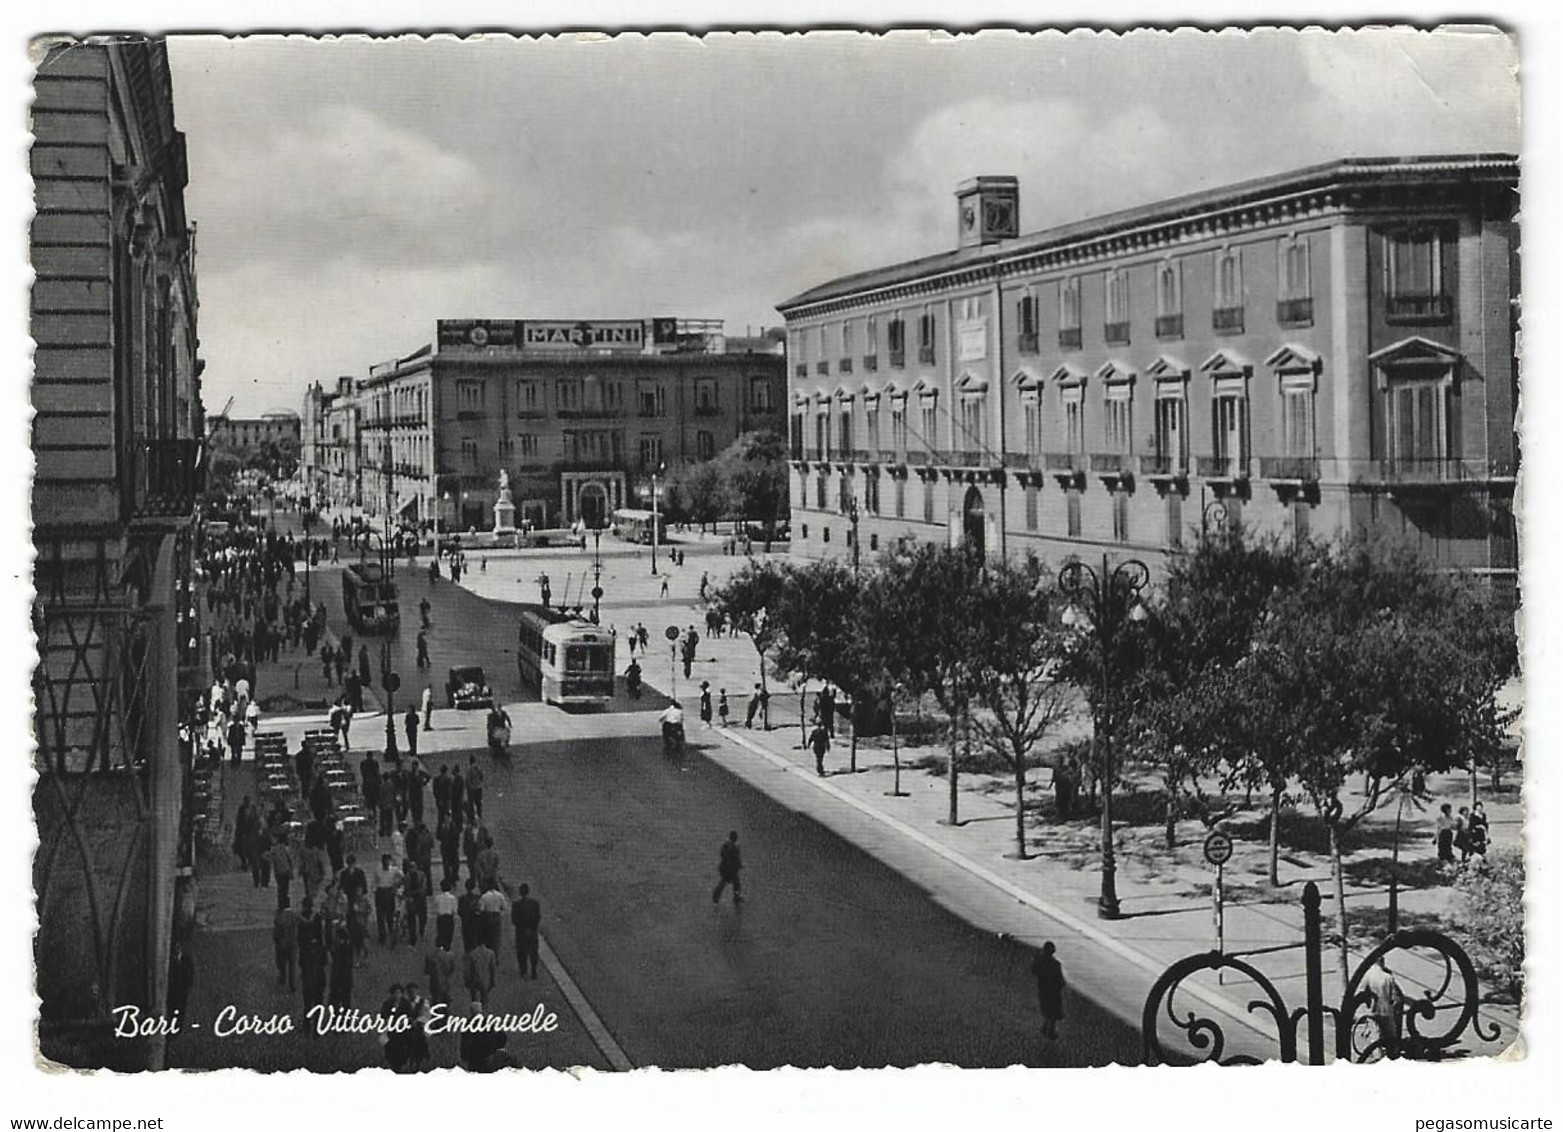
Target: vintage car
[468, 687]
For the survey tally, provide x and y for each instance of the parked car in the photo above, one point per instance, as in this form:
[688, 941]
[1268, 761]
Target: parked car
[468, 687]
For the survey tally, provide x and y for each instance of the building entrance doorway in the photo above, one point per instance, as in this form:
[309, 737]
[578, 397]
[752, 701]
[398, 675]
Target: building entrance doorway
[975, 524]
[594, 506]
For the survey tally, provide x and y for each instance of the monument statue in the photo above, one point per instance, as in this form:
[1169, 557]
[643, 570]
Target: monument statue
[504, 507]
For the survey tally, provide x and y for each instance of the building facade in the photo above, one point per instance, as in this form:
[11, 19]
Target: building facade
[249, 434]
[118, 440]
[578, 414]
[1324, 351]
[328, 448]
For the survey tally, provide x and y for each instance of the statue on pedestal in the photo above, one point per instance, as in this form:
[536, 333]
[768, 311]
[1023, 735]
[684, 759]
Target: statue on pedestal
[504, 507]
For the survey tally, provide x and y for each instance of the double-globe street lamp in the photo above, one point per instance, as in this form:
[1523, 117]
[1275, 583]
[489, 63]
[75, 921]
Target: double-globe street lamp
[1099, 604]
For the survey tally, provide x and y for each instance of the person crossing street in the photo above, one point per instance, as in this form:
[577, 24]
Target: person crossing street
[729, 864]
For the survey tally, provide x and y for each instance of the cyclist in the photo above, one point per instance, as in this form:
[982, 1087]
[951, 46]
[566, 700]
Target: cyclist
[672, 730]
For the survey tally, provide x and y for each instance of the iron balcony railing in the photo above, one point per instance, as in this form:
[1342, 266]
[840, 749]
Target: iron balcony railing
[1297, 469]
[1418, 308]
[1222, 467]
[1069, 338]
[1112, 463]
[925, 355]
[1294, 312]
[1028, 343]
[1116, 333]
[822, 367]
[1442, 469]
[846, 365]
[1063, 461]
[870, 363]
[166, 477]
[1163, 464]
[897, 359]
[1021, 460]
[1169, 326]
[889, 456]
[801, 370]
[969, 458]
[1227, 320]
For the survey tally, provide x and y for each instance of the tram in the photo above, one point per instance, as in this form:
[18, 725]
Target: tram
[369, 598]
[637, 526]
[565, 659]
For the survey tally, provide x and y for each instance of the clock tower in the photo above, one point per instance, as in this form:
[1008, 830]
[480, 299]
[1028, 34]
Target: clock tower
[987, 209]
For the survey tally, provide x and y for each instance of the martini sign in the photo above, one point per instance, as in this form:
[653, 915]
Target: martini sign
[582, 335]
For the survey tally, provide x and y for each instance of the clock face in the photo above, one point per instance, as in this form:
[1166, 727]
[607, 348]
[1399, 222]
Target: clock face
[478, 336]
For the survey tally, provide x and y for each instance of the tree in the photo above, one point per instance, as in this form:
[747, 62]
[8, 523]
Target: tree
[751, 600]
[920, 601]
[1215, 597]
[1374, 665]
[1015, 679]
[697, 493]
[819, 620]
[1492, 912]
[756, 472]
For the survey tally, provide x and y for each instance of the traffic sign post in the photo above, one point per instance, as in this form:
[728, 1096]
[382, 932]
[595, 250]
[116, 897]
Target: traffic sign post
[1218, 851]
[672, 636]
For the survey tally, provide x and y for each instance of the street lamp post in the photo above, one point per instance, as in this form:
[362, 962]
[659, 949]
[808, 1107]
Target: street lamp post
[596, 574]
[389, 681]
[1098, 604]
[852, 517]
[655, 523]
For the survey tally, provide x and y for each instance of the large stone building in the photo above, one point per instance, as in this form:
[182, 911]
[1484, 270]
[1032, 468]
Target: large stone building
[117, 437]
[249, 434]
[1328, 350]
[328, 447]
[579, 414]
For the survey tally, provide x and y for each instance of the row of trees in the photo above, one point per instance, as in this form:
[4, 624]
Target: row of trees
[1292, 670]
[747, 480]
[277, 459]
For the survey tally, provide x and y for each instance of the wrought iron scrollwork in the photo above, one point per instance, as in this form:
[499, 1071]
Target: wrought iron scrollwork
[1424, 1027]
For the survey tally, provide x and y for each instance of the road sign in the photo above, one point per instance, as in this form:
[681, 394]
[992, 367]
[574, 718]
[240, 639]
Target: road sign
[1218, 848]
[672, 633]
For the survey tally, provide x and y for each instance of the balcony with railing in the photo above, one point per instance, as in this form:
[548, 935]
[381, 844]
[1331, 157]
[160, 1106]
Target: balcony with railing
[1227, 320]
[1163, 466]
[897, 359]
[845, 365]
[801, 370]
[585, 413]
[1111, 463]
[1417, 309]
[707, 411]
[1294, 312]
[1029, 342]
[925, 355]
[970, 458]
[1222, 468]
[1289, 469]
[1064, 461]
[1436, 471]
[1169, 326]
[166, 478]
[822, 367]
[870, 363]
[1069, 338]
[1116, 333]
[1020, 461]
[889, 456]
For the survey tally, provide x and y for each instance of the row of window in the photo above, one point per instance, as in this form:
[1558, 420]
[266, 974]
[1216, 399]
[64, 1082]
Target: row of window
[590, 394]
[603, 446]
[1119, 510]
[1413, 282]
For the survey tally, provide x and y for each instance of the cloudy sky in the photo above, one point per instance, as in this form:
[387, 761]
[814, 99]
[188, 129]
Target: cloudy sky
[351, 192]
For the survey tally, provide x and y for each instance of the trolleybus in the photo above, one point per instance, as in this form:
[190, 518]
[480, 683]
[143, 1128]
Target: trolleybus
[565, 659]
[369, 598]
[636, 526]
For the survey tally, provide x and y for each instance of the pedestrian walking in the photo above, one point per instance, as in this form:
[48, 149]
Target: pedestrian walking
[414, 781]
[1386, 1006]
[526, 915]
[423, 649]
[544, 589]
[340, 993]
[467, 915]
[458, 797]
[387, 888]
[721, 707]
[440, 968]
[410, 724]
[311, 954]
[705, 699]
[428, 707]
[1443, 834]
[1476, 830]
[819, 743]
[729, 864]
[281, 857]
[474, 790]
[492, 907]
[284, 941]
[1050, 988]
[445, 903]
[480, 970]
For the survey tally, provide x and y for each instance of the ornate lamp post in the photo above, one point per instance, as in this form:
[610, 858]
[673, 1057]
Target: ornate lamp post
[1098, 605]
[596, 575]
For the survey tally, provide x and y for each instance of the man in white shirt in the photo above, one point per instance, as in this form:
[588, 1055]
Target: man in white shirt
[672, 727]
[444, 916]
[387, 890]
[492, 907]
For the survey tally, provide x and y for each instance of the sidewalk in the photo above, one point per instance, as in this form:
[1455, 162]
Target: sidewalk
[1166, 897]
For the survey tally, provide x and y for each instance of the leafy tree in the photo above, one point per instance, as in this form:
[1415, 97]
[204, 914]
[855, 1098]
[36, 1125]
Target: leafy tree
[1215, 597]
[921, 603]
[1374, 665]
[751, 601]
[1015, 678]
[819, 621]
[1492, 913]
[755, 470]
[697, 493]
